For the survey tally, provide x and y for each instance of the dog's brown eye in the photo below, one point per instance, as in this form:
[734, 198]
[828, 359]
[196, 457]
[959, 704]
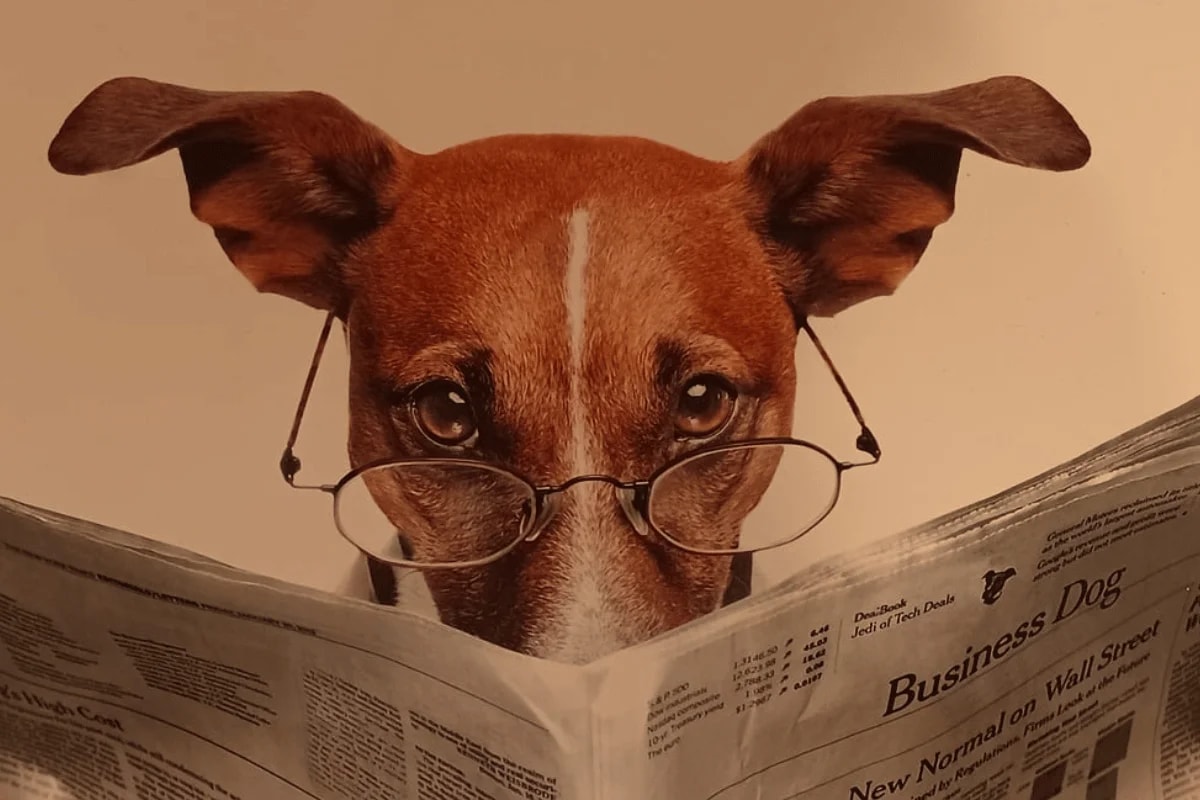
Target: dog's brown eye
[443, 412]
[705, 405]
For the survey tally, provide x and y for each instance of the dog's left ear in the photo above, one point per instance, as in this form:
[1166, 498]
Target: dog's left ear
[849, 190]
[289, 181]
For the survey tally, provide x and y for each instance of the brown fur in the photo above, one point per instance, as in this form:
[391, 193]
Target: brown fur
[452, 262]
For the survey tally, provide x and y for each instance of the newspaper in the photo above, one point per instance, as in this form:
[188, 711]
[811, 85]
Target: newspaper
[1042, 643]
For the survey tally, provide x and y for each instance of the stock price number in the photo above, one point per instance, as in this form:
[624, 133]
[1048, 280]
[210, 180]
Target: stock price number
[748, 671]
[755, 685]
[742, 708]
[756, 658]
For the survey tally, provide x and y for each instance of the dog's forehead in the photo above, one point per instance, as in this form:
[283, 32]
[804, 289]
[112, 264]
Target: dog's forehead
[486, 238]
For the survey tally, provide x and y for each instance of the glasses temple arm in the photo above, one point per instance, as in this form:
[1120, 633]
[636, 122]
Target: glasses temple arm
[866, 441]
[289, 464]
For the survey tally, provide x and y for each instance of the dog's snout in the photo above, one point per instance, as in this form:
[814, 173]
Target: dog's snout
[630, 498]
[592, 543]
[591, 514]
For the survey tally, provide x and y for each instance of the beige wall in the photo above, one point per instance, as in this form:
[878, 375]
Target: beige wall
[148, 387]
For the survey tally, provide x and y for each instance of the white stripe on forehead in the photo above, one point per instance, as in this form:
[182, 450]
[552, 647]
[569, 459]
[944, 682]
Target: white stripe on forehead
[575, 298]
[581, 623]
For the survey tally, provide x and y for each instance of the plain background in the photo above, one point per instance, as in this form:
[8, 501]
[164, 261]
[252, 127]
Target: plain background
[147, 386]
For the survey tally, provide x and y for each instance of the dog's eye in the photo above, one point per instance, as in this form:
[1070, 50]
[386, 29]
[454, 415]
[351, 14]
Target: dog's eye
[443, 413]
[705, 405]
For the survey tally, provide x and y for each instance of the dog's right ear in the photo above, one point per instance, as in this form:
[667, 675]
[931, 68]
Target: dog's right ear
[287, 180]
[851, 189]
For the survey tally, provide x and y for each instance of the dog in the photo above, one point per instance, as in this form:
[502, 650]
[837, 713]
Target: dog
[993, 584]
[571, 305]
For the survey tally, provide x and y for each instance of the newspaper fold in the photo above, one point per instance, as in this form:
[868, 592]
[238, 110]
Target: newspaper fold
[1042, 643]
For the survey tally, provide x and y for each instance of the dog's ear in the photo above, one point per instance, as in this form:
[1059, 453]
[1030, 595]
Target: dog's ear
[848, 191]
[287, 180]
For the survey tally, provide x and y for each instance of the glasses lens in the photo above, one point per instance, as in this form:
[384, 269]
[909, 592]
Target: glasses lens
[773, 493]
[427, 513]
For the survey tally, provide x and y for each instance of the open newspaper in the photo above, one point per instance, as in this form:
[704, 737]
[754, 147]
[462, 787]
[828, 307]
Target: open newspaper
[1043, 643]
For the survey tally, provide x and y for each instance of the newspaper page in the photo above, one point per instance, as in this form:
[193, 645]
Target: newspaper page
[132, 671]
[1047, 647]
[1038, 643]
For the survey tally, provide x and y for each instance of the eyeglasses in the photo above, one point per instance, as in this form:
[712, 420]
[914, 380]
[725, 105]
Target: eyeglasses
[762, 493]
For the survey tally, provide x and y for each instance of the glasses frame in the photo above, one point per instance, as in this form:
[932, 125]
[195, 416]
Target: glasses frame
[634, 496]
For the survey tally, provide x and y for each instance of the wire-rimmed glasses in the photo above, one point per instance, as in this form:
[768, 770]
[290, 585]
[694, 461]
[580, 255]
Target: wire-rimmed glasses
[479, 512]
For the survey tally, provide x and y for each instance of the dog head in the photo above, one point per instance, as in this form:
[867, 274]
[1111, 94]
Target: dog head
[566, 305]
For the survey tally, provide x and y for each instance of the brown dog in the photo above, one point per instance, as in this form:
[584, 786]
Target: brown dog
[565, 306]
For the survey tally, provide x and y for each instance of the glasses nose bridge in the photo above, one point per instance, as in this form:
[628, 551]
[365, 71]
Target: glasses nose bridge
[631, 496]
